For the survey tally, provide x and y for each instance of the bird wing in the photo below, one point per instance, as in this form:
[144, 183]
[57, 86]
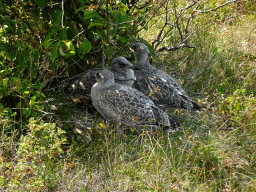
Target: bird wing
[125, 104]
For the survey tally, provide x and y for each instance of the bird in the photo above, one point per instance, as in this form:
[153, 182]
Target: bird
[160, 87]
[123, 104]
[81, 84]
[123, 71]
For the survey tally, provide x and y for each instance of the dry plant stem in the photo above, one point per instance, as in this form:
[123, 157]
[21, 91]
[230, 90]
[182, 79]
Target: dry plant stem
[62, 15]
[143, 6]
[176, 23]
[214, 9]
[165, 48]
[103, 57]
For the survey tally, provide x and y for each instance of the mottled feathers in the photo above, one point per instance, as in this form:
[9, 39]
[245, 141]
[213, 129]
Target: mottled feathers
[122, 104]
[161, 88]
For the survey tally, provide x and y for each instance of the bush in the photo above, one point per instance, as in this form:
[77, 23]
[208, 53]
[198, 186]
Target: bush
[37, 155]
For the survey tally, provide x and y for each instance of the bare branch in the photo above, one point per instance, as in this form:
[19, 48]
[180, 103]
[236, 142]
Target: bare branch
[191, 17]
[177, 19]
[103, 57]
[209, 10]
[176, 23]
[62, 7]
[161, 32]
[143, 6]
[165, 48]
[153, 15]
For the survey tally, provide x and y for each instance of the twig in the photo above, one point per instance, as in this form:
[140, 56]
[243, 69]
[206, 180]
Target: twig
[161, 32]
[80, 33]
[103, 57]
[161, 37]
[62, 7]
[146, 3]
[149, 18]
[165, 48]
[213, 9]
[191, 17]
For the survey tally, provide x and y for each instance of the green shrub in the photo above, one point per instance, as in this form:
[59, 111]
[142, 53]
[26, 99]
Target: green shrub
[239, 109]
[37, 156]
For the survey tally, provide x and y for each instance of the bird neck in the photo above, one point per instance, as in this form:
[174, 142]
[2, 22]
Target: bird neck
[108, 83]
[141, 57]
[142, 60]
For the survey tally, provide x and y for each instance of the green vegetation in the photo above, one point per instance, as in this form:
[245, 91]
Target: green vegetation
[43, 42]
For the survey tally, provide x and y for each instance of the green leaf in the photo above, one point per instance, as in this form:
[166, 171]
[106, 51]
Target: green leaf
[89, 14]
[48, 43]
[81, 8]
[37, 86]
[122, 39]
[215, 50]
[2, 71]
[32, 101]
[15, 80]
[95, 24]
[54, 51]
[123, 8]
[63, 34]
[4, 82]
[230, 99]
[142, 22]
[84, 48]
[71, 53]
[14, 53]
[49, 36]
[28, 111]
[41, 3]
[71, 48]
[57, 17]
[25, 93]
[74, 31]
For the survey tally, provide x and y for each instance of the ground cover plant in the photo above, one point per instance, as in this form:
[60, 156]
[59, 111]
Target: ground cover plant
[210, 52]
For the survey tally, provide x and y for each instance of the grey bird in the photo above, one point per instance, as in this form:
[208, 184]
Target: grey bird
[123, 104]
[123, 71]
[81, 85]
[161, 88]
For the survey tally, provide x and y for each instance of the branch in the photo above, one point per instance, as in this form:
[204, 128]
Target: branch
[149, 18]
[165, 48]
[161, 37]
[191, 17]
[161, 32]
[62, 7]
[103, 57]
[209, 10]
[142, 5]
